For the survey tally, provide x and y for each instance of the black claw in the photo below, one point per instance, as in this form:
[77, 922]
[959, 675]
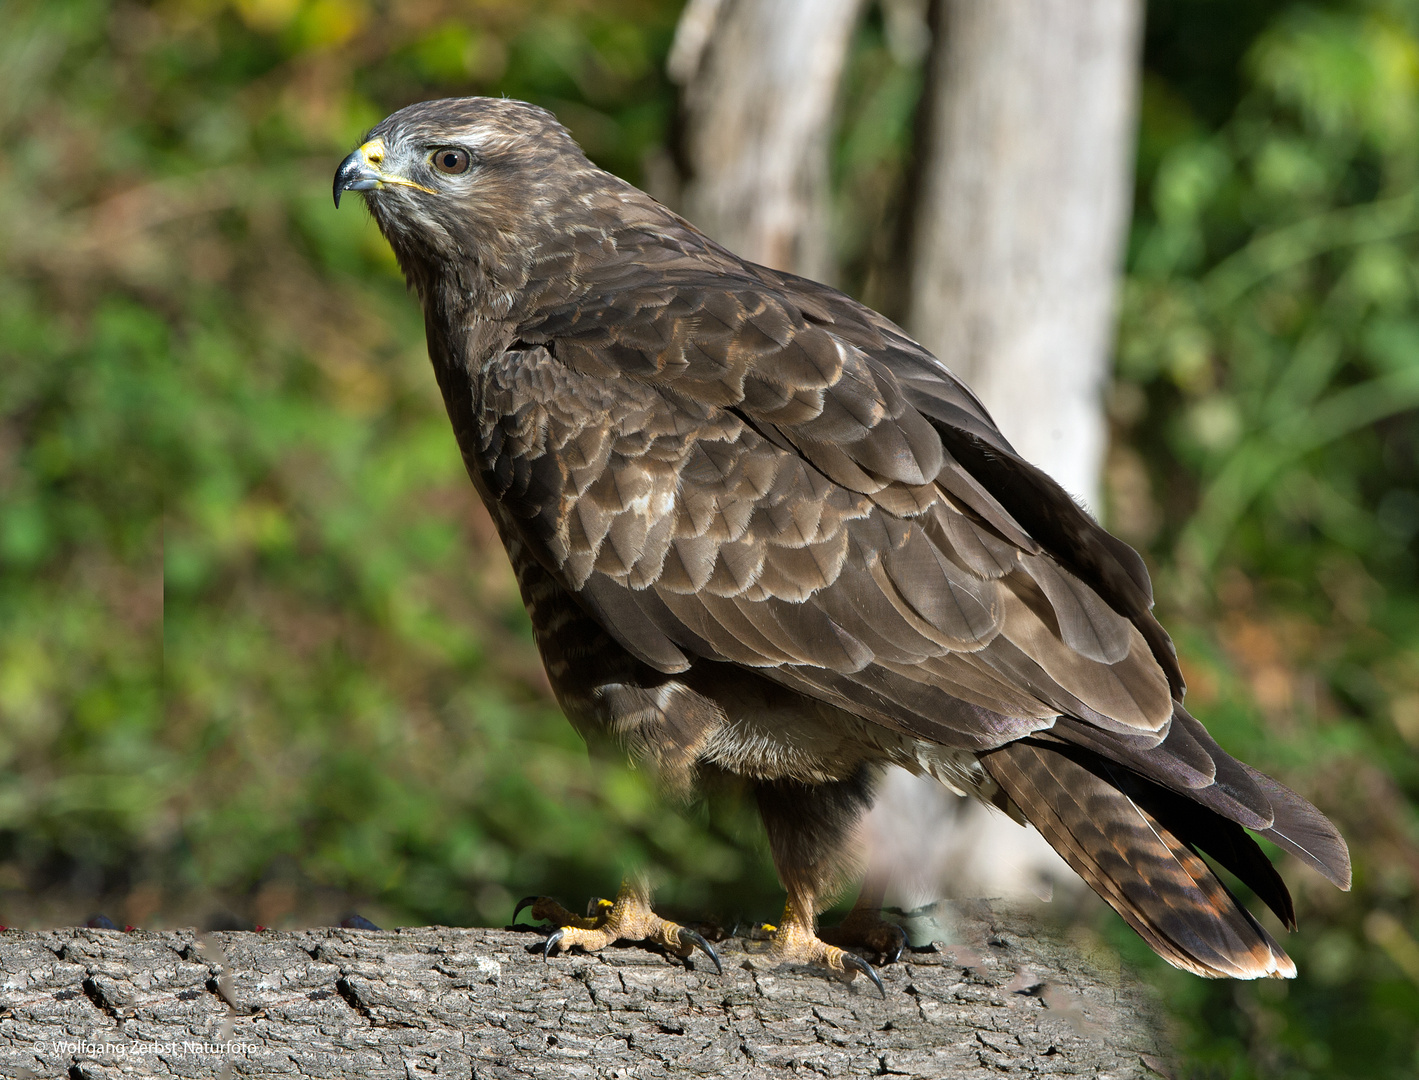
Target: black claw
[557, 936]
[856, 963]
[525, 902]
[699, 942]
[896, 954]
[595, 904]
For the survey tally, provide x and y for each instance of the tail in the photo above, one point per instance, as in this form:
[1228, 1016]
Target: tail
[1136, 843]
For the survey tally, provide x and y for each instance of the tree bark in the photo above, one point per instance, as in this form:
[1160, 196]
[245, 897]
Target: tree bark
[760, 82]
[443, 1002]
[1024, 201]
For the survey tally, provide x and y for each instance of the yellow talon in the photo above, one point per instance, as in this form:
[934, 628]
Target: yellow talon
[797, 942]
[628, 918]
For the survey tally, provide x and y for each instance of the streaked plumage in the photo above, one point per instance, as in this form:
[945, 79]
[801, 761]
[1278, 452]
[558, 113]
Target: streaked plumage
[761, 531]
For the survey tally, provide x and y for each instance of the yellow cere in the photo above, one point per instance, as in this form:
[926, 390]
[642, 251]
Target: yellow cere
[373, 153]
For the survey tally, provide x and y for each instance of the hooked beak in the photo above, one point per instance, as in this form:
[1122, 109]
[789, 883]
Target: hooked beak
[361, 172]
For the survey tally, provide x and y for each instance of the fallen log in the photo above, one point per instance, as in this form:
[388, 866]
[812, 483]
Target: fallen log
[996, 996]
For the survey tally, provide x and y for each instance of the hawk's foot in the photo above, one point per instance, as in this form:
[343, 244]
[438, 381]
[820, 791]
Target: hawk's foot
[865, 929]
[795, 941]
[630, 918]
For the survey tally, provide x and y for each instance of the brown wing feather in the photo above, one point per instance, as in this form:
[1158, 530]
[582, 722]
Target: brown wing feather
[794, 506]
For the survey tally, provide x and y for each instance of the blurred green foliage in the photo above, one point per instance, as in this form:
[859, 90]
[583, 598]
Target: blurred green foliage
[1267, 453]
[259, 647]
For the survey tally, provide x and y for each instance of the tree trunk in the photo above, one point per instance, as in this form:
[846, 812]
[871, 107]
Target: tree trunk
[760, 81]
[1024, 202]
[439, 1002]
[1024, 196]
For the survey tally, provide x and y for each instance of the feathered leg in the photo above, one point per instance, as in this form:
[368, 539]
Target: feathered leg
[811, 830]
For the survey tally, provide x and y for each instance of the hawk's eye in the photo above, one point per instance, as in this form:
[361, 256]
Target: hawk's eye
[452, 160]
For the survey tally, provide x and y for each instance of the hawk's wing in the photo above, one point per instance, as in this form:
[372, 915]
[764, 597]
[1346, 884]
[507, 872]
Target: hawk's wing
[723, 468]
[747, 468]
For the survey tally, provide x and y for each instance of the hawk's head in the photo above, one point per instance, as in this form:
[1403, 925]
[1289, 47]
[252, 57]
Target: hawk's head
[468, 186]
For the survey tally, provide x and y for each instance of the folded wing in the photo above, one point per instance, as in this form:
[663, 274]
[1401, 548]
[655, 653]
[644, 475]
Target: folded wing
[742, 467]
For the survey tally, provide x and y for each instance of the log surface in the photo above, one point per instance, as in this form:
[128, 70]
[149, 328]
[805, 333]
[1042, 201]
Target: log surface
[1004, 999]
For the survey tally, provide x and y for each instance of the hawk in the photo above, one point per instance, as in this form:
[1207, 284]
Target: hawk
[762, 533]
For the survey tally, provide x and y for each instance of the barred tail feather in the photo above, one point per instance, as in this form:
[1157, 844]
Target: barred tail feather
[1133, 842]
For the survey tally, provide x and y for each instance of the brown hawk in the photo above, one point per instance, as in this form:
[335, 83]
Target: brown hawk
[762, 532]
